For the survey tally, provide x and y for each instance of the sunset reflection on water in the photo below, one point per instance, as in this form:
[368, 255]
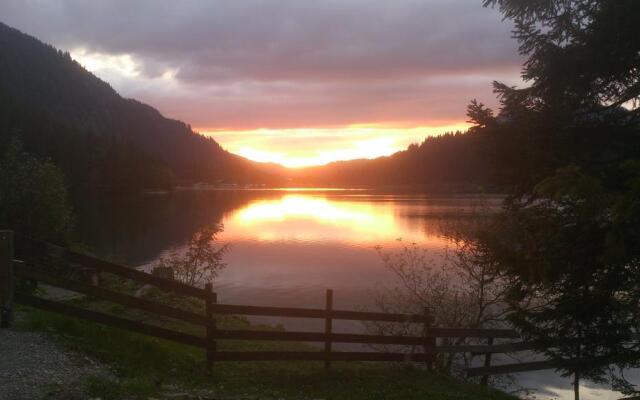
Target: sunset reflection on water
[288, 247]
[313, 218]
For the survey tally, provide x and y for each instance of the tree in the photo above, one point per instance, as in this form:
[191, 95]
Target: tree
[571, 143]
[563, 250]
[480, 115]
[201, 261]
[463, 289]
[581, 54]
[33, 196]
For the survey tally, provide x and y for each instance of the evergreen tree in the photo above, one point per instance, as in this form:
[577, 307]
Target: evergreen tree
[570, 146]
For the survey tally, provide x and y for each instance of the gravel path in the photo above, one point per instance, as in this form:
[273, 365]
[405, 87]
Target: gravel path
[33, 367]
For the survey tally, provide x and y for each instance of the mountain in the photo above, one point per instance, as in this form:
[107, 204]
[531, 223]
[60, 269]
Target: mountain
[452, 161]
[100, 139]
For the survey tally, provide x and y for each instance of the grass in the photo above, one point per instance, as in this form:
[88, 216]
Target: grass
[146, 366]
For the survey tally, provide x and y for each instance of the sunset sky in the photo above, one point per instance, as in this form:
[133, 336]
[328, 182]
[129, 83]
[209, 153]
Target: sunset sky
[290, 81]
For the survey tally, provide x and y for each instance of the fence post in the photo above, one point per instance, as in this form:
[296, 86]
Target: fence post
[6, 278]
[327, 328]
[487, 363]
[212, 346]
[429, 342]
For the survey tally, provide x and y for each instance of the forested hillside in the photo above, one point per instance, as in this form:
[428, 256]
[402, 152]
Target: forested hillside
[100, 139]
[447, 161]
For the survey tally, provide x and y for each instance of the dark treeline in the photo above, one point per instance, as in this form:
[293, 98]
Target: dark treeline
[136, 229]
[99, 139]
[452, 160]
[502, 152]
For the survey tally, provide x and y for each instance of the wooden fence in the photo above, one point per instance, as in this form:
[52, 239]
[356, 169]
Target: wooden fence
[35, 254]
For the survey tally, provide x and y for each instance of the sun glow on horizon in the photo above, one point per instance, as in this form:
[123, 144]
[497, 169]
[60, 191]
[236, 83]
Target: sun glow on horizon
[289, 147]
[369, 148]
[299, 148]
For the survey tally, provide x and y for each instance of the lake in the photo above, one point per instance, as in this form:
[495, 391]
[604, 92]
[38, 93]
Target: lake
[288, 246]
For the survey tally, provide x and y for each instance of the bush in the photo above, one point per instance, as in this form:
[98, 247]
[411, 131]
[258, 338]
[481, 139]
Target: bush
[200, 262]
[33, 196]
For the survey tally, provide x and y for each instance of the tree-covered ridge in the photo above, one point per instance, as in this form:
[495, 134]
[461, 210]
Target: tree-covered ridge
[452, 159]
[99, 138]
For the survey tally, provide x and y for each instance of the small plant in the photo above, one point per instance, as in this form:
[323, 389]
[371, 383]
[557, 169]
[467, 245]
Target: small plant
[201, 261]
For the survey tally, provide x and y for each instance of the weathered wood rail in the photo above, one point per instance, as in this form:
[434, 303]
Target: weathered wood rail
[422, 348]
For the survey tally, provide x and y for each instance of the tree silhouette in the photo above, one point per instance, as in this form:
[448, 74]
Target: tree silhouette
[572, 151]
[33, 196]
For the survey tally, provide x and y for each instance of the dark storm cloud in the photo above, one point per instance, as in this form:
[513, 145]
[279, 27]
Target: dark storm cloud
[285, 63]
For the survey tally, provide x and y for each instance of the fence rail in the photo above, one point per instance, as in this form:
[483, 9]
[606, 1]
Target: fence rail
[40, 254]
[24, 271]
[510, 368]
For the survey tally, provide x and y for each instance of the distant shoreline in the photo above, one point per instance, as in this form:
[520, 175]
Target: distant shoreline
[432, 191]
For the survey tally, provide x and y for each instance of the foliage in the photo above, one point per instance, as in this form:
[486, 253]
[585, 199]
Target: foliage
[33, 196]
[568, 236]
[480, 115]
[581, 54]
[563, 250]
[464, 289]
[201, 261]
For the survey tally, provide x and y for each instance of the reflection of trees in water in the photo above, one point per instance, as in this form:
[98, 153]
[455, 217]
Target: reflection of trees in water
[454, 219]
[137, 229]
[433, 226]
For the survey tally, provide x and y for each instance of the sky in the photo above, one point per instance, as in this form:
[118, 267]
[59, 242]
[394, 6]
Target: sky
[297, 82]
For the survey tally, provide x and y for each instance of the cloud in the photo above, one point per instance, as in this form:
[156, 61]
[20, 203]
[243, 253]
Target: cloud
[285, 64]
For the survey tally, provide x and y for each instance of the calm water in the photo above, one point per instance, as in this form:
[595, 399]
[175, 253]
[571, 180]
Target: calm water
[289, 246]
